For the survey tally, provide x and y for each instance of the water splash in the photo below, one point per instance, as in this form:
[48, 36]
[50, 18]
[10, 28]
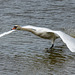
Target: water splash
[5, 33]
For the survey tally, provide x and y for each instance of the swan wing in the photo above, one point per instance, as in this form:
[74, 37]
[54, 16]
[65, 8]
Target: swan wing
[68, 40]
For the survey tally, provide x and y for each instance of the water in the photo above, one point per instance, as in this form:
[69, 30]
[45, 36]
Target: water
[22, 53]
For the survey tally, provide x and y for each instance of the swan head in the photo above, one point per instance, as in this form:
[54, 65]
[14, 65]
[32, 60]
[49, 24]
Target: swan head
[17, 27]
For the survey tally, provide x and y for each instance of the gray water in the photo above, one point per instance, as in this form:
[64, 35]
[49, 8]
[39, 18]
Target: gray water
[22, 53]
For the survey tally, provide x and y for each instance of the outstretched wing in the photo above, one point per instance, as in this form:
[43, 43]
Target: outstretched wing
[68, 40]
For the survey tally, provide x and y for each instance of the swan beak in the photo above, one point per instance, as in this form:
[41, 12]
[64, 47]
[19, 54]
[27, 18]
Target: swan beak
[13, 28]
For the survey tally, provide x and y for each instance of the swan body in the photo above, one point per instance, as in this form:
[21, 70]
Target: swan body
[49, 34]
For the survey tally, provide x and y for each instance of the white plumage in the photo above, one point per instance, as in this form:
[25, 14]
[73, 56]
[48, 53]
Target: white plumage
[50, 34]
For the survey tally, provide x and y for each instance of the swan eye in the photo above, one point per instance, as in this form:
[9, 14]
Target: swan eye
[15, 27]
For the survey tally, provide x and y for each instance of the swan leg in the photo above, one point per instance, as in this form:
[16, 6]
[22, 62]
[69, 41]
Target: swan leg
[52, 41]
[52, 46]
[49, 50]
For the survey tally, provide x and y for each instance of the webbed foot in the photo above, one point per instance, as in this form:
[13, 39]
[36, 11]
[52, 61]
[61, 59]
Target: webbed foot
[52, 46]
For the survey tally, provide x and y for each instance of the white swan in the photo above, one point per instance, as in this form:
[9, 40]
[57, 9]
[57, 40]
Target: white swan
[49, 34]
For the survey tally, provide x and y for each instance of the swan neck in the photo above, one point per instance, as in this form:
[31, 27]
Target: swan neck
[27, 29]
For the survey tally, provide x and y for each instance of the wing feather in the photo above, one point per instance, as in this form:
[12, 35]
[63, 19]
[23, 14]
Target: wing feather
[68, 40]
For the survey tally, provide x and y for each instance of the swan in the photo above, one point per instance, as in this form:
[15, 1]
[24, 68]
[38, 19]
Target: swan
[49, 34]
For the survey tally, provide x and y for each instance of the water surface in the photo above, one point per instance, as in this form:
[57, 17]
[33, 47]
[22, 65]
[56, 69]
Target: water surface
[22, 53]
